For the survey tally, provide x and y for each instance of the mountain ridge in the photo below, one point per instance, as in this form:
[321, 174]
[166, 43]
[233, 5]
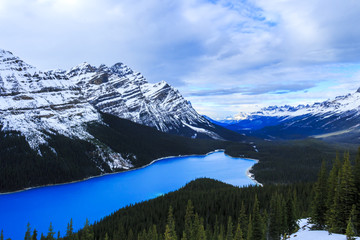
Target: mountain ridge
[52, 123]
[339, 116]
[35, 101]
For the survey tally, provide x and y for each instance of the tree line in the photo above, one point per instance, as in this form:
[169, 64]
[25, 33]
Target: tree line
[210, 209]
[336, 205]
[203, 209]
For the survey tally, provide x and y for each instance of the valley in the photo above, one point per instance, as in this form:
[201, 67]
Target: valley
[333, 120]
[98, 197]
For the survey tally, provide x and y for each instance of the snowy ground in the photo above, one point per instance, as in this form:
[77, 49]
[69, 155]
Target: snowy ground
[306, 234]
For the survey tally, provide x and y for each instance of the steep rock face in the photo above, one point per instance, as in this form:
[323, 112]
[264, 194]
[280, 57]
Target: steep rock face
[35, 102]
[58, 126]
[120, 91]
[39, 104]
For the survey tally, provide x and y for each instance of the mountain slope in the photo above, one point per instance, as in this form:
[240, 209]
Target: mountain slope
[36, 103]
[336, 120]
[117, 144]
[55, 125]
[122, 92]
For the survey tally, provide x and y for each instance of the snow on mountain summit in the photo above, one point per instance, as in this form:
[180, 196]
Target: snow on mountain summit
[120, 91]
[33, 101]
[338, 105]
[339, 117]
[37, 103]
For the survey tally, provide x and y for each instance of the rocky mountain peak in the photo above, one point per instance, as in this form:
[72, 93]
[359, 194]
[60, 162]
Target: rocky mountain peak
[63, 102]
[9, 62]
[4, 53]
[81, 69]
[121, 69]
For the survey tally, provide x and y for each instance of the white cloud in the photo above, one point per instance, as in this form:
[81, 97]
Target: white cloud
[304, 47]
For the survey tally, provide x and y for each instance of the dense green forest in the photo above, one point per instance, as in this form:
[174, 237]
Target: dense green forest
[287, 168]
[65, 159]
[209, 209]
[336, 206]
[23, 167]
[294, 161]
[204, 209]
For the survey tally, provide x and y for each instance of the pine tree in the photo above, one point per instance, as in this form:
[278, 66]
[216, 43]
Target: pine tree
[257, 222]
[344, 198]
[152, 233]
[2, 235]
[87, 233]
[275, 218]
[357, 196]
[350, 230]
[106, 236]
[296, 204]
[243, 219]
[198, 228]
[332, 183]
[201, 231]
[189, 218]
[51, 233]
[319, 210]
[130, 235]
[69, 229]
[28, 232]
[221, 233]
[142, 235]
[249, 235]
[334, 211]
[229, 233]
[238, 233]
[184, 237]
[291, 224]
[170, 233]
[216, 228]
[34, 235]
[282, 215]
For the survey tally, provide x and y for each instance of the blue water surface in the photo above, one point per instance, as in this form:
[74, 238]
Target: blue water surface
[98, 197]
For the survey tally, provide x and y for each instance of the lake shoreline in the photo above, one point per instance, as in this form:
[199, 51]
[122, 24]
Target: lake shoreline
[250, 175]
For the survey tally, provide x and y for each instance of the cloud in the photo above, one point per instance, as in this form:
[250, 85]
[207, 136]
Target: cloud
[253, 52]
[255, 90]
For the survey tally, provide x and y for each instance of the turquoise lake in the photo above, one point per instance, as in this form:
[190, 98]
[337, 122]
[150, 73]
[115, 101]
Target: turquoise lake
[97, 197]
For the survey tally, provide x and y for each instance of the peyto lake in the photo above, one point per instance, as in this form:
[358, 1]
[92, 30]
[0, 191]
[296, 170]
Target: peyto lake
[97, 197]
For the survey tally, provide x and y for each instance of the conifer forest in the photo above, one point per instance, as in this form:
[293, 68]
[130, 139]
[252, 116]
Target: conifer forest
[209, 209]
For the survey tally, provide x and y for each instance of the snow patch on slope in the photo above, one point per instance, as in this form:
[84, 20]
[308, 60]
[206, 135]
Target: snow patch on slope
[305, 233]
[338, 105]
[204, 131]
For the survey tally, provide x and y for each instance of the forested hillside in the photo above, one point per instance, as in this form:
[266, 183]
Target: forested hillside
[205, 209]
[336, 206]
[66, 159]
[209, 209]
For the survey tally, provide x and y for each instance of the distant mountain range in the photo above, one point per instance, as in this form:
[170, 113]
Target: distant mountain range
[336, 120]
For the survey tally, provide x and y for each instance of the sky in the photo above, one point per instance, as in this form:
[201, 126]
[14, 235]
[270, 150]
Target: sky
[225, 56]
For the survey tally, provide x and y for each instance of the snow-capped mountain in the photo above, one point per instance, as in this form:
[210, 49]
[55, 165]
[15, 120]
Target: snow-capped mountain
[32, 102]
[38, 103]
[120, 91]
[330, 118]
[58, 126]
